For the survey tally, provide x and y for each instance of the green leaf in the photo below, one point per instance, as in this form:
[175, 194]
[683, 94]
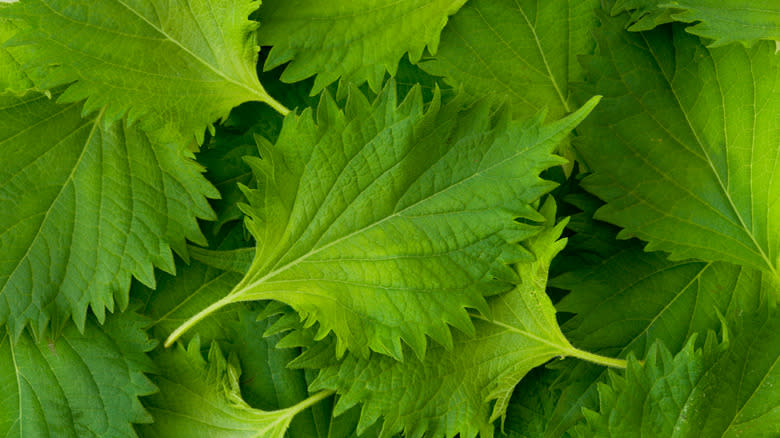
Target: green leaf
[183, 62]
[83, 208]
[203, 399]
[723, 21]
[81, 385]
[452, 390]
[725, 391]
[524, 50]
[686, 145]
[11, 74]
[384, 222]
[177, 298]
[355, 40]
[531, 406]
[266, 381]
[632, 299]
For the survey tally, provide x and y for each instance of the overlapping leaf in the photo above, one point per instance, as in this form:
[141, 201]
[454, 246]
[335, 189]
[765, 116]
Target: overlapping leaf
[686, 146]
[698, 392]
[83, 208]
[176, 298]
[203, 399]
[183, 63]
[634, 299]
[267, 382]
[451, 391]
[81, 385]
[356, 40]
[525, 50]
[723, 21]
[384, 222]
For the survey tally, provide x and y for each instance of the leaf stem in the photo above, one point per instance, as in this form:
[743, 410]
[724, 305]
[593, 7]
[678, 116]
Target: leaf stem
[313, 400]
[597, 359]
[188, 324]
[273, 103]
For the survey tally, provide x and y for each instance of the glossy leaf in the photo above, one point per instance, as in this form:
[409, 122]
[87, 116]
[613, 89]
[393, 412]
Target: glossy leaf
[525, 51]
[727, 390]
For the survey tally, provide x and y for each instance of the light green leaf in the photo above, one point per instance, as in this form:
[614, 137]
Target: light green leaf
[355, 40]
[384, 222]
[525, 50]
[699, 392]
[686, 147]
[83, 208]
[633, 299]
[81, 385]
[723, 21]
[203, 399]
[11, 74]
[182, 62]
[451, 391]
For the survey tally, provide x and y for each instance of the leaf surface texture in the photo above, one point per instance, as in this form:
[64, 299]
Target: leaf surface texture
[632, 299]
[355, 40]
[200, 398]
[451, 391]
[181, 63]
[80, 385]
[384, 222]
[725, 390]
[525, 50]
[722, 21]
[686, 147]
[83, 208]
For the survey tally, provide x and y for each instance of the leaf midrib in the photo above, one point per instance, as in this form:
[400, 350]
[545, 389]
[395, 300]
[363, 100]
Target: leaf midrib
[544, 57]
[17, 373]
[241, 288]
[253, 91]
[68, 180]
[708, 160]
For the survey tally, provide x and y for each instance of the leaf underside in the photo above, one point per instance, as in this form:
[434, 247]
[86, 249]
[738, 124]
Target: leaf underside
[83, 208]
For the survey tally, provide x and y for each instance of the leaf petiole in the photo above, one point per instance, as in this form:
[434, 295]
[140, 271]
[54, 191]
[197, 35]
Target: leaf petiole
[188, 324]
[597, 359]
